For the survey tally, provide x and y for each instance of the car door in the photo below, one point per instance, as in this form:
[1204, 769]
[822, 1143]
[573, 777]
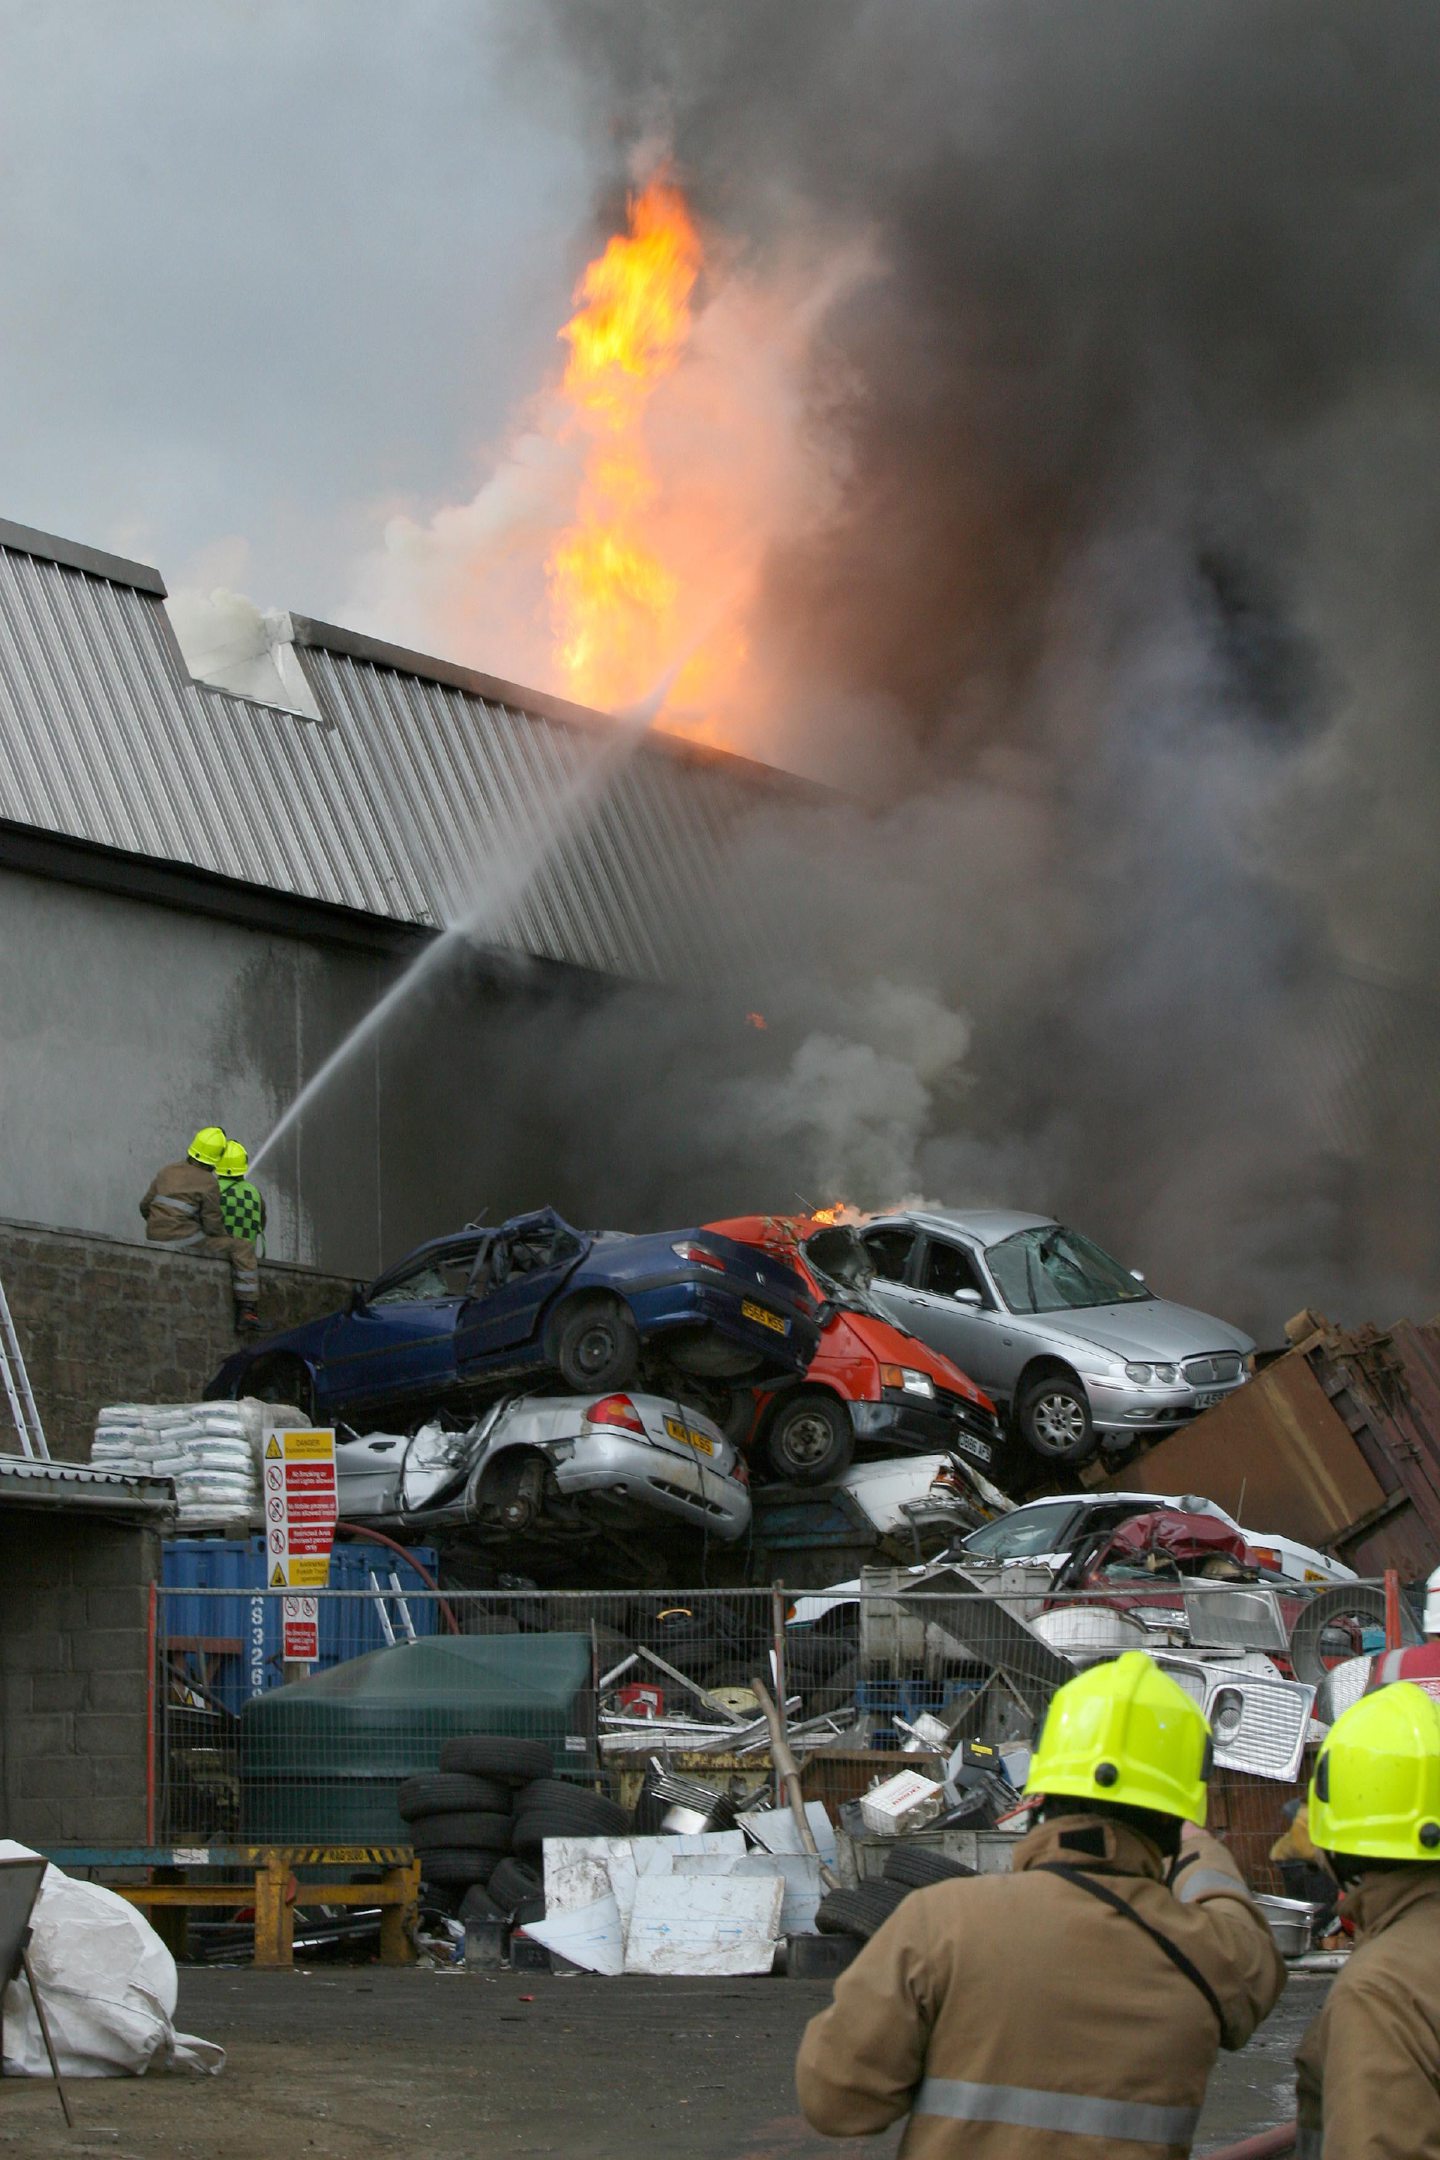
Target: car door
[892, 1247]
[528, 1262]
[976, 1337]
[397, 1342]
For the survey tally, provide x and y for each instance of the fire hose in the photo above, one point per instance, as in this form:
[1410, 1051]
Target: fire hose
[1269, 2145]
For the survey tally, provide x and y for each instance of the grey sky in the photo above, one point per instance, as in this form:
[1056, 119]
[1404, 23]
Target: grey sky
[273, 269]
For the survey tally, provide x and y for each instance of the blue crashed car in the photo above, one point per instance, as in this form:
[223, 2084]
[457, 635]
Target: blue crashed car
[536, 1302]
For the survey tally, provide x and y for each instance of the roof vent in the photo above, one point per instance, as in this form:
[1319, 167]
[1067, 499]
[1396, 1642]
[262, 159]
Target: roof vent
[230, 645]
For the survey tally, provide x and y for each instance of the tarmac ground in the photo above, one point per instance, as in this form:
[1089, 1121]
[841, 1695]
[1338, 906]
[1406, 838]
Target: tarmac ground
[365, 2063]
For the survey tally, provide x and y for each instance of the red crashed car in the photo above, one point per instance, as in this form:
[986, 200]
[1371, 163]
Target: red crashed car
[868, 1381]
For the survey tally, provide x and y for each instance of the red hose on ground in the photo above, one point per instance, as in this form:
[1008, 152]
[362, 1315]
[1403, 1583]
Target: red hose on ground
[1269, 2145]
[378, 1537]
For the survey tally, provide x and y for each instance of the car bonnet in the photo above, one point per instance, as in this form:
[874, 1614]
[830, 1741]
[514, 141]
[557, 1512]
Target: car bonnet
[1152, 1331]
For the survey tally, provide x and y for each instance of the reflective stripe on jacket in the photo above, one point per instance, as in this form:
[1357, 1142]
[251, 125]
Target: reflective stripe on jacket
[1020, 2018]
[1368, 2086]
[183, 1205]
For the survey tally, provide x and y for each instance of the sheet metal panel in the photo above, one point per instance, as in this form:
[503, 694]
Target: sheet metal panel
[409, 799]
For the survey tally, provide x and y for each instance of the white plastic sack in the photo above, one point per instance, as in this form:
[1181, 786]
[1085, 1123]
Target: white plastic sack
[109, 1988]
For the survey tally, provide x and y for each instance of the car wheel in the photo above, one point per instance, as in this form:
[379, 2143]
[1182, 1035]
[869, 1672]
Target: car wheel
[1054, 1419]
[597, 1347]
[810, 1440]
[283, 1380]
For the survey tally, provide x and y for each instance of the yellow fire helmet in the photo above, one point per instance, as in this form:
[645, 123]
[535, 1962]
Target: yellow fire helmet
[235, 1161]
[1376, 1788]
[208, 1145]
[1125, 1732]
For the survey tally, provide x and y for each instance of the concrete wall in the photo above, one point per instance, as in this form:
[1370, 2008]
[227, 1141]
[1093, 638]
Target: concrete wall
[74, 1614]
[125, 1024]
[101, 1321]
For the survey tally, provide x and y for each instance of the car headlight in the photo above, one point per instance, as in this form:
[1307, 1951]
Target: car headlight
[1153, 1375]
[908, 1380]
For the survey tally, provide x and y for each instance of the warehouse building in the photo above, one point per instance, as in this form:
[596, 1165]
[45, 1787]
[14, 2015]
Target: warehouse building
[206, 883]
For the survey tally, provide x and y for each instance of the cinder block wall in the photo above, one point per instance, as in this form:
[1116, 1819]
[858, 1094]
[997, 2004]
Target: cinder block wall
[103, 1321]
[74, 1613]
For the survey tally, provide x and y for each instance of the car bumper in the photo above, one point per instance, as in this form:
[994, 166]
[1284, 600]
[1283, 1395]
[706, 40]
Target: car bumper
[1121, 1410]
[919, 1428]
[652, 1480]
[677, 1306]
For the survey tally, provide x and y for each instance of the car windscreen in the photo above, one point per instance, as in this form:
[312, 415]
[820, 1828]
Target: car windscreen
[1029, 1530]
[1056, 1270]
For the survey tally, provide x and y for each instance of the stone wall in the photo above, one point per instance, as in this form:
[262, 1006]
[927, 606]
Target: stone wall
[74, 1622]
[103, 1321]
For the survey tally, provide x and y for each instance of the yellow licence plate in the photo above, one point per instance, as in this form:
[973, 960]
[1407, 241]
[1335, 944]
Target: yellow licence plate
[763, 1314]
[689, 1436]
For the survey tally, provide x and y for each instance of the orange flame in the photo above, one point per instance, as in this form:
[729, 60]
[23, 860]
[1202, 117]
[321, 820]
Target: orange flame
[612, 598]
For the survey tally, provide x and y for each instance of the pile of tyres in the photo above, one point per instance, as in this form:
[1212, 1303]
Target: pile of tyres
[479, 1821]
[858, 1913]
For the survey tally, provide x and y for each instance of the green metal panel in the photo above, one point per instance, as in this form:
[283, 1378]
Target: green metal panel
[320, 1760]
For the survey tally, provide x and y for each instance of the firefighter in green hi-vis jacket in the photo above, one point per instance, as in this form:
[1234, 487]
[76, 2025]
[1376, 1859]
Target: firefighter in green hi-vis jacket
[240, 1201]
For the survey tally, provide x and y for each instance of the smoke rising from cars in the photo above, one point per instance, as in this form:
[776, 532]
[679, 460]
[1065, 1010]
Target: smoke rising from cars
[1119, 623]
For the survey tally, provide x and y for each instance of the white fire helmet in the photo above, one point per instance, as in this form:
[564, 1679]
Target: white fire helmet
[1432, 1603]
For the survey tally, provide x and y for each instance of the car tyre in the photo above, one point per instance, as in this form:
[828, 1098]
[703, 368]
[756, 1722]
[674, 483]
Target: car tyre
[513, 1882]
[513, 1762]
[456, 1867]
[810, 1439]
[597, 1346]
[438, 1792]
[478, 1830]
[862, 1911]
[918, 1866]
[284, 1380]
[1053, 1415]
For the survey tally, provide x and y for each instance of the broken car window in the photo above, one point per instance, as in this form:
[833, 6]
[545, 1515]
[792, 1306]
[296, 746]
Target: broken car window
[1058, 1270]
[1028, 1530]
[949, 1268]
[441, 1275]
[890, 1250]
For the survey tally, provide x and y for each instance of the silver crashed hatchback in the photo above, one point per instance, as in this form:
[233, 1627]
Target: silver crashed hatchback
[1054, 1330]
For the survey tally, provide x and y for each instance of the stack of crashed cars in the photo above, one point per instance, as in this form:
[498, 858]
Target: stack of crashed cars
[533, 1382]
[530, 1381]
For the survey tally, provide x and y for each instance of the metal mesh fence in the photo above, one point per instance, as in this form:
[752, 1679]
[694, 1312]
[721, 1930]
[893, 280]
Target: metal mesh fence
[607, 1693]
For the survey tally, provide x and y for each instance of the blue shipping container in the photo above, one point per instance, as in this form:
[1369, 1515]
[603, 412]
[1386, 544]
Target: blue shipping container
[231, 1644]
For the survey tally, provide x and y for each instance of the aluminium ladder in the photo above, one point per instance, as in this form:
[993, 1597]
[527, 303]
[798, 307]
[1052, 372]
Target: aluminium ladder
[17, 1388]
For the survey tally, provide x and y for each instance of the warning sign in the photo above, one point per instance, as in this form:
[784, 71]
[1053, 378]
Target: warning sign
[300, 1510]
[302, 1629]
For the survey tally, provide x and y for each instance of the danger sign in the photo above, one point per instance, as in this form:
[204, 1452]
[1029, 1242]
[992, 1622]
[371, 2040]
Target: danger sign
[300, 1510]
[302, 1629]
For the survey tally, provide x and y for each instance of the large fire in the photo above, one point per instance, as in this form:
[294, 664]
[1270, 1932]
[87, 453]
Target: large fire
[621, 576]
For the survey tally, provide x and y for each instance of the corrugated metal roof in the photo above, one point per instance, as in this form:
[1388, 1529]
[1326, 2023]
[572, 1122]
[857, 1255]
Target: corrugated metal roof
[413, 784]
[77, 1485]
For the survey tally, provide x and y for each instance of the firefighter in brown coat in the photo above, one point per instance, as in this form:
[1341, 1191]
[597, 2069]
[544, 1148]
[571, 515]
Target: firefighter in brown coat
[1074, 2007]
[182, 1210]
[1369, 2067]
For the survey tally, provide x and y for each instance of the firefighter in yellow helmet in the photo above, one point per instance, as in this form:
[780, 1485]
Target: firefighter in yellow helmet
[1075, 2006]
[1369, 2067]
[182, 1210]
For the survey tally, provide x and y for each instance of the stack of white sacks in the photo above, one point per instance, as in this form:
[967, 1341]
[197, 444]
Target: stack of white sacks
[210, 1449]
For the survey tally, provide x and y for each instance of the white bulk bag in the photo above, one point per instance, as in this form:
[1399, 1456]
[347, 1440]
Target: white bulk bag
[109, 1988]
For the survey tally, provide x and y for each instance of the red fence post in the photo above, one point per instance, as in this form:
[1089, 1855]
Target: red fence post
[151, 1683]
[1393, 1640]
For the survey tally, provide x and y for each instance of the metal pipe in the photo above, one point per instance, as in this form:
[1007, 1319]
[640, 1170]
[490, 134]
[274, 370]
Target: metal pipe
[1269, 2145]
